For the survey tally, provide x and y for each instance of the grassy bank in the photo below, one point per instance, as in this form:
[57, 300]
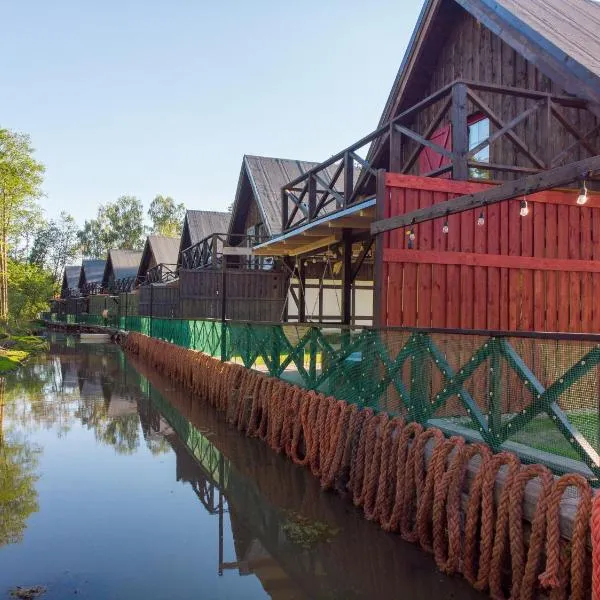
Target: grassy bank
[16, 349]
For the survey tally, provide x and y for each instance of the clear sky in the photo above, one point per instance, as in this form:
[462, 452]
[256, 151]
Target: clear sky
[149, 97]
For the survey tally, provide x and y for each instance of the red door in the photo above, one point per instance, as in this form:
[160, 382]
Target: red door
[429, 159]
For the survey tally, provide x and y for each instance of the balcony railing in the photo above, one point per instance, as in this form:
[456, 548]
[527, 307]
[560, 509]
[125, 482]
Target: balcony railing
[161, 273]
[212, 250]
[347, 177]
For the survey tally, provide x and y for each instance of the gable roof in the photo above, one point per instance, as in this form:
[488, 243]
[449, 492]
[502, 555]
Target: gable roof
[92, 271]
[261, 178]
[122, 263]
[71, 277]
[162, 249]
[202, 223]
[558, 36]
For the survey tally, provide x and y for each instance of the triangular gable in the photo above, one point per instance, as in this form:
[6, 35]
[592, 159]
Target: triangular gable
[199, 224]
[558, 37]
[158, 249]
[121, 265]
[92, 271]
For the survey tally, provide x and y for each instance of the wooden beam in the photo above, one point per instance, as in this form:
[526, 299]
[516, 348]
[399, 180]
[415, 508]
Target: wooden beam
[423, 141]
[460, 132]
[316, 245]
[525, 186]
[472, 259]
[497, 121]
[351, 222]
[395, 162]
[426, 134]
[347, 277]
[572, 130]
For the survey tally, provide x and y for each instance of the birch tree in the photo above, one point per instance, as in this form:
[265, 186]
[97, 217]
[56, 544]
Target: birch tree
[21, 176]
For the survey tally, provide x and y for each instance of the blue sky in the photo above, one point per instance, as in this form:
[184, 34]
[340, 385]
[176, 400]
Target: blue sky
[151, 97]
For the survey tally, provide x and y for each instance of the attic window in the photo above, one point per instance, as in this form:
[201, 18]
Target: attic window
[479, 131]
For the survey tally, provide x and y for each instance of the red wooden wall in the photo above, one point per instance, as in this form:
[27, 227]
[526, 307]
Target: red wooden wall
[536, 273]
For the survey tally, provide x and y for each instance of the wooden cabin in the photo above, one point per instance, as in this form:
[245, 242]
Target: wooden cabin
[197, 226]
[90, 276]
[120, 271]
[159, 259]
[70, 281]
[219, 278]
[491, 101]
[159, 291]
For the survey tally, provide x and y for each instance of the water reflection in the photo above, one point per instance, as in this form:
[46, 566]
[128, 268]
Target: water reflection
[252, 513]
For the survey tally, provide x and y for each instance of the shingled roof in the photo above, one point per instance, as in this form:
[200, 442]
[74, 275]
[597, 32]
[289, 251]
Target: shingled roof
[122, 264]
[199, 224]
[261, 178]
[158, 249]
[71, 277]
[92, 271]
[560, 37]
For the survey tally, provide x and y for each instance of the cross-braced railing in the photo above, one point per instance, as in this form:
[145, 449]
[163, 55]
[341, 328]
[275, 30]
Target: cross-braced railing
[122, 286]
[213, 249]
[161, 273]
[397, 146]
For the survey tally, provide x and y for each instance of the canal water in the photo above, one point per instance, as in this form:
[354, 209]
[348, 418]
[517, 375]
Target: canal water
[116, 484]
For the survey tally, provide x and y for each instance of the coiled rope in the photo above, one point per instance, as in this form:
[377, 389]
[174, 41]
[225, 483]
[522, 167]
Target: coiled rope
[412, 481]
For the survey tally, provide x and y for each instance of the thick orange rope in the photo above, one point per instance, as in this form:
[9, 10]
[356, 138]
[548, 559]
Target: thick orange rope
[382, 464]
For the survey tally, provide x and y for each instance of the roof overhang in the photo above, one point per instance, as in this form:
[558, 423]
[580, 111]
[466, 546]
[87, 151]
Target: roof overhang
[320, 233]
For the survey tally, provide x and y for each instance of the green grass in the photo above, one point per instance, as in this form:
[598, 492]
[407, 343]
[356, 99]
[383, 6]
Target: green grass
[11, 359]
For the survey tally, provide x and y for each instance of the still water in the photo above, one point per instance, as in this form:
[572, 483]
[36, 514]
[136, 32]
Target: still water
[115, 484]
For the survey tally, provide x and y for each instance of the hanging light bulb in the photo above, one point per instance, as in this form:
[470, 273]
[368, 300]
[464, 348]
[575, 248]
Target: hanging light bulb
[445, 228]
[583, 195]
[524, 208]
[481, 219]
[411, 238]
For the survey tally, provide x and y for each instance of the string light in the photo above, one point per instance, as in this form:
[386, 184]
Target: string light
[445, 228]
[583, 195]
[411, 235]
[524, 208]
[481, 219]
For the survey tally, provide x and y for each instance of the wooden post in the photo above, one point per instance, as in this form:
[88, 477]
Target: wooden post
[312, 197]
[284, 210]
[395, 150]
[347, 277]
[348, 180]
[301, 290]
[460, 132]
[379, 274]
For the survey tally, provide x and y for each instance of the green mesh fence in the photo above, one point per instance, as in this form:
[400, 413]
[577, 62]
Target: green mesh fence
[537, 396]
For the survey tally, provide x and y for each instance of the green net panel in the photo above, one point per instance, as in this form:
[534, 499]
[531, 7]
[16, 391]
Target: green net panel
[536, 396]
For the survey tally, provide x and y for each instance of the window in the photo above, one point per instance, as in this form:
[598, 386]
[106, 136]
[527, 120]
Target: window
[479, 131]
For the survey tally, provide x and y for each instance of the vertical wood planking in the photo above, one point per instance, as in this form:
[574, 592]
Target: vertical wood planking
[562, 251]
[504, 291]
[395, 281]
[587, 297]
[425, 242]
[574, 278]
[467, 225]
[595, 216]
[514, 275]
[494, 301]
[539, 238]
[409, 308]
[438, 272]
[453, 292]
[527, 228]
[551, 251]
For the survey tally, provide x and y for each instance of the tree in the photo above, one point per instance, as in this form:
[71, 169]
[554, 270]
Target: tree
[118, 225]
[55, 244]
[29, 289]
[20, 179]
[166, 216]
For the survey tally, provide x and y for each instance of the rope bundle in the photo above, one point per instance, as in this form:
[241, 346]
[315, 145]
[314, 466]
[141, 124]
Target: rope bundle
[412, 481]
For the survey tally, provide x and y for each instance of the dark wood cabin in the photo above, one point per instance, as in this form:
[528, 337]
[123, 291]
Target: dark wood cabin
[90, 275]
[199, 225]
[488, 94]
[159, 259]
[158, 294]
[120, 271]
[220, 278]
[70, 281]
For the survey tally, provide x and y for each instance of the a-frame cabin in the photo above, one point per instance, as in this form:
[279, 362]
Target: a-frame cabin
[70, 281]
[488, 92]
